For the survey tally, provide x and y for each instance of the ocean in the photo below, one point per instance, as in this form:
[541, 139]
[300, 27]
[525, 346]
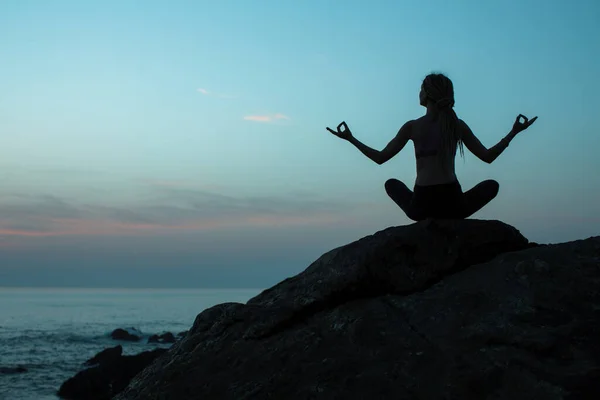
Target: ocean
[52, 332]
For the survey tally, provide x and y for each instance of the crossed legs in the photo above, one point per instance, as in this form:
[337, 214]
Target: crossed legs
[471, 201]
[478, 196]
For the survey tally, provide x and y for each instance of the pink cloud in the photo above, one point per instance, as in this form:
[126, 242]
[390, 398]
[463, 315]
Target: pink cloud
[258, 118]
[265, 118]
[104, 227]
[21, 232]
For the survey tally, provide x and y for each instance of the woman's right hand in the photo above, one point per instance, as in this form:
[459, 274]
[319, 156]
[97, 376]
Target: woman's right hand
[343, 132]
[519, 126]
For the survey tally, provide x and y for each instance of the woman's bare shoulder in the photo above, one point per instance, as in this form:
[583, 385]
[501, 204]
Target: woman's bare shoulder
[463, 127]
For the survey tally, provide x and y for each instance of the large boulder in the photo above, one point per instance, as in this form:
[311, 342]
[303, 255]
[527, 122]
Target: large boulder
[109, 376]
[434, 310]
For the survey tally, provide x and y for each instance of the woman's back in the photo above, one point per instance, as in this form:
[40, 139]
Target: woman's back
[432, 167]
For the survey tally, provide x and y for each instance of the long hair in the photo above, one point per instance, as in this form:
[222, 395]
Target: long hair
[439, 90]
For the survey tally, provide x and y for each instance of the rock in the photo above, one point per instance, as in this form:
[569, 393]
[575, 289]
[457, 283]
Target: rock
[181, 334]
[129, 335]
[434, 310]
[167, 337]
[12, 370]
[106, 356]
[108, 378]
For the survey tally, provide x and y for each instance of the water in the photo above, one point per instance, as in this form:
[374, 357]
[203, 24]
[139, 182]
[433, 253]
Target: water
[51, 332]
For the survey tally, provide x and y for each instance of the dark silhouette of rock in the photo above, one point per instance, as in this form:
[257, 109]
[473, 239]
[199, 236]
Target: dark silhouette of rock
[108, 378]
[462, 309]
[181, 334]
[166, 337]
[12, 370]
[129, 335]
[106, 356]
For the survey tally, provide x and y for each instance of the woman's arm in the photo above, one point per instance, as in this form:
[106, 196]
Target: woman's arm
[489, 155]
[478, 149]
[380, 157]
[373, 154]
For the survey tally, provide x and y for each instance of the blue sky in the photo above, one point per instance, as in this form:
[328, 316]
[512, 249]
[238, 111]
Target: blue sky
[183, 143]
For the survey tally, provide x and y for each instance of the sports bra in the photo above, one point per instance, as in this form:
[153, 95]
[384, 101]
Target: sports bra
[429, 145]
[425, 153]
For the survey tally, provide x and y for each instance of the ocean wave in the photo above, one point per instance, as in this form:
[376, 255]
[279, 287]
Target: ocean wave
[48, 337]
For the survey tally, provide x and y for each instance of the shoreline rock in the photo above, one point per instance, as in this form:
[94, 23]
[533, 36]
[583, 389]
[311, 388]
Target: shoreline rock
[166, 337]
[436, 310]
[106, 356]
[128, 335]
[13, 370]
[109, 375]
[110, 370]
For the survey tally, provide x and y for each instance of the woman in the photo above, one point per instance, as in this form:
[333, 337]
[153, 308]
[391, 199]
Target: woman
[436, 137]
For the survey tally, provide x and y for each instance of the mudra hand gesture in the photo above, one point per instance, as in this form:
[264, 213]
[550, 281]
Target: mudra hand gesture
[343, 132]
[519, 126]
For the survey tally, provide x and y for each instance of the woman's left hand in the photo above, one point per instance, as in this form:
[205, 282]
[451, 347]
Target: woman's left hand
[343, 132]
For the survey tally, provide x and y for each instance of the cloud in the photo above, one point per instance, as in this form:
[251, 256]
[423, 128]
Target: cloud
[266, 118]
[165, 209]
[207, 92]
[258, 118]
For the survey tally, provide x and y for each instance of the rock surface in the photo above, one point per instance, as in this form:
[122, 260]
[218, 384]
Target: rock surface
[433, 310]
[166, 337]
[12, 370]
[110, 376]
[106, 356]
[129, 335]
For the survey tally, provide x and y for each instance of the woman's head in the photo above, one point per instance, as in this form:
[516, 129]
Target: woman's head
[437, 90]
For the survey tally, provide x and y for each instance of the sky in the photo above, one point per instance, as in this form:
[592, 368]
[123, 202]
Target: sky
[183, 143]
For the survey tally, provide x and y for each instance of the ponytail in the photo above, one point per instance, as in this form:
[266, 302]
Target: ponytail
[439, 89]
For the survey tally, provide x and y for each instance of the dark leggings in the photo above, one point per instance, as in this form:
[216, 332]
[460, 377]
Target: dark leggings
[445, 201]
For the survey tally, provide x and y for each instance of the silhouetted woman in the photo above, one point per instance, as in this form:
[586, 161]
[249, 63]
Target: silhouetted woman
[436, 136]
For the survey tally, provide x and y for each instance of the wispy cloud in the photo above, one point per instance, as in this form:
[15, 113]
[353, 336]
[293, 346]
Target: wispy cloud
[166, 208]
[207, 92]
[266, 118]
[258, 118]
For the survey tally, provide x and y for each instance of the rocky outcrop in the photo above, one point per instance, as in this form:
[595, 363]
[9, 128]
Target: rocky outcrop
[128, 335]
[12, 370]
[181, 334]
[106, 356]
[166, 337]
[434, 310]
[110, 376]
